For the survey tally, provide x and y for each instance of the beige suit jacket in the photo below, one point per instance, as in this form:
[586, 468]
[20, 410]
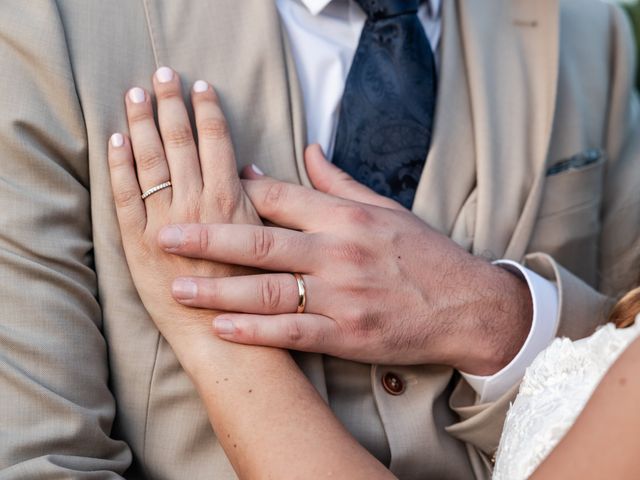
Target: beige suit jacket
[89, 389]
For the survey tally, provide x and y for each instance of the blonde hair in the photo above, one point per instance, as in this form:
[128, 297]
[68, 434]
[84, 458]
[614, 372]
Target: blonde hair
[625, 311]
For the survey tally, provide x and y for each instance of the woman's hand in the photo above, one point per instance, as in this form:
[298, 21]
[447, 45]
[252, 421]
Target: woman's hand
[259, 403]
[205, 188]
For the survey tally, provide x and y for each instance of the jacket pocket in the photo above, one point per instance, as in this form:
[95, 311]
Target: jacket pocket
[573, 183]
[568, 224]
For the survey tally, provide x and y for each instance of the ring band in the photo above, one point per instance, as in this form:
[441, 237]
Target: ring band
[155, 189]
[302, 293]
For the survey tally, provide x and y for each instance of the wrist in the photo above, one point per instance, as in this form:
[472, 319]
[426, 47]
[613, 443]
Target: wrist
[208, 360]
[498, 320]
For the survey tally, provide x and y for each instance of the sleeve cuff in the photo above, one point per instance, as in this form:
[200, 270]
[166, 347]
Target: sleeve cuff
[544, 296]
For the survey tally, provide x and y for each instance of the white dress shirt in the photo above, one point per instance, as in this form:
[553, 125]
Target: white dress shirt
[324, 36]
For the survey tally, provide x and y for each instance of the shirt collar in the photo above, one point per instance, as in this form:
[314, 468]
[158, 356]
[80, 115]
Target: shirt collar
[316, 6]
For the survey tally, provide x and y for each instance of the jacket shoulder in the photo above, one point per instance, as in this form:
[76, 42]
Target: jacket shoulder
[595, 16]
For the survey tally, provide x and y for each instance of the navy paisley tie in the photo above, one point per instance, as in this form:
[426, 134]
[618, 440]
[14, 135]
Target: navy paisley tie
[386, 115]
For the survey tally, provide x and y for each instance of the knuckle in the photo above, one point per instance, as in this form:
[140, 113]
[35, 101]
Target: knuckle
[126, 198]
[263, 244]
[168, 93]
[204, 240]
[275, 196]
[192, 207]
[140, 115]
[213, 129]
[352, 253]
[178, 136]
[192, 212]
[226, 204]
[117, 161]
[361, 325]
[295, 334]
[355, 214]
[252, 333]
[369, 322]
[150, 159]
[270, 294]
[223, 198]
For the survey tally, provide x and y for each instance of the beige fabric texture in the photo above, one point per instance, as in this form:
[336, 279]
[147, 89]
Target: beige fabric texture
[89, 389]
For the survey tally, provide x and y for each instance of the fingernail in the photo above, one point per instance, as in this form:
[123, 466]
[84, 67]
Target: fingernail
[136, 95]
[164, 74]
[184, 289]
[223, 326]
[171, 237]
[200, 86]
[256, 170]
[117, 140]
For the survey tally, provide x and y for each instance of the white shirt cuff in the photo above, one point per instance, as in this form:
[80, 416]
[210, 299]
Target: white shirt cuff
[544, 296]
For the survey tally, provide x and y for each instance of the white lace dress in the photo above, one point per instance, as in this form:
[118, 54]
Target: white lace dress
[555, 389]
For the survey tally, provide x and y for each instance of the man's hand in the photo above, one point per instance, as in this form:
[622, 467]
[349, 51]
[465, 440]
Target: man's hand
[382, 286]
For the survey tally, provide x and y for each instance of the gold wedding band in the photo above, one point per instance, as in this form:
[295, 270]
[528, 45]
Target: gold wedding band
[302, 293]
[155, 189]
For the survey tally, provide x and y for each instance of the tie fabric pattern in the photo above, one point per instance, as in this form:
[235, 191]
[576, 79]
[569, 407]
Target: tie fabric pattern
[386, 115]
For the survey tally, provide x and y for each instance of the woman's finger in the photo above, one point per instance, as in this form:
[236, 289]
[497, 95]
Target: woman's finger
[266, 294]
[269, 248]
[177, 136]
[150, 160]
[217, 158]
[303, 332]
[126, 191]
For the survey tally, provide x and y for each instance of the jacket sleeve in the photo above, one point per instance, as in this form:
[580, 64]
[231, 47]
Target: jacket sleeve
[56, 409]
[582, 307]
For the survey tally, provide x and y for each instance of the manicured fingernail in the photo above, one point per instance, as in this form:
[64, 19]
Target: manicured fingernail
[223, 326]
[200, 86]
[171, 237]
[184, 289]
[256, 170]
[117, 140]
[136, 95]
[164, 74]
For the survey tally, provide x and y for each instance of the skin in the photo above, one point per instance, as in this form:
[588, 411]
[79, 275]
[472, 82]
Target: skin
[268, 418]
[382, 286]
[603, 441]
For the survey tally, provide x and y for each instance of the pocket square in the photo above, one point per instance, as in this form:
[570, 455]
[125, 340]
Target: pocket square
[576, 162]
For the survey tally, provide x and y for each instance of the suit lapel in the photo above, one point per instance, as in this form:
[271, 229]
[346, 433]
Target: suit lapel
[449, 174]
[511, 53]
[483, 180]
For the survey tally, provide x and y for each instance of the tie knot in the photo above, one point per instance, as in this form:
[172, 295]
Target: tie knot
[379, 9]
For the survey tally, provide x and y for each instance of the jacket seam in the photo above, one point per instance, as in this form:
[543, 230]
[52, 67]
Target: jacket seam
[152, 38]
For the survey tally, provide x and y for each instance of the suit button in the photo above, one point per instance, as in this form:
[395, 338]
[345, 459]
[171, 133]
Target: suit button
[393, 384]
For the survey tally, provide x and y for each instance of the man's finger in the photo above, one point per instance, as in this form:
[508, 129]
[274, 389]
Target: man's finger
[124, 184]
[293, 206]
[330, 179]
[303, 332]
[266, 294]
[269, 248]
